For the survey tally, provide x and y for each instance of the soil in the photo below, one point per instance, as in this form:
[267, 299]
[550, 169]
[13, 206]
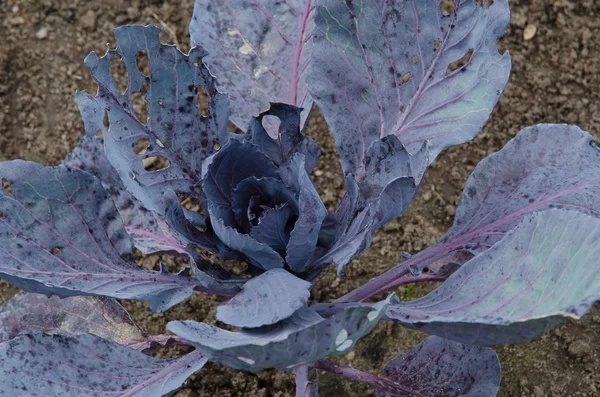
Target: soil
[555, 79]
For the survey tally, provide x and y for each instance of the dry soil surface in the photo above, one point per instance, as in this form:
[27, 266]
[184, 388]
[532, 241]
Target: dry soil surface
[555, 79]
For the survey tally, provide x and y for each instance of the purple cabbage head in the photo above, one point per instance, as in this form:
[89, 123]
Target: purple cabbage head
[397, 82]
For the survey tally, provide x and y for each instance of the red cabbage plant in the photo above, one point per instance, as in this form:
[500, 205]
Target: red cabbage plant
[397, 81]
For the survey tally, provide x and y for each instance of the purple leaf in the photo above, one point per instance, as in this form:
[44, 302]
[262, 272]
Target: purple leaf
[303, 338]
[258, 254]
[147, 229]
[289, 139]
[543, 167]
[176, 132]
[60, 234]
[543, 270]
[439, 367]
[273, 229]
[307, 384]
[185, 232]
[311, 214]
[86, 365]
[381, 68]
[265, 300]
[259, 50]
[234, 163]
[353, 241]
[28, 313]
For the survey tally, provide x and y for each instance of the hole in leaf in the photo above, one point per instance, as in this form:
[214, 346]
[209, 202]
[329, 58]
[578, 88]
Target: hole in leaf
[7, 187]
[99, 133]
[55, 251]
[425, 270]
[141, 60]
[106, 120]
[161, 101]
[202, 100]
[141, 146]
[119, 73]
[406, 78]
[140, 105]
[156, 163]
[437, 44]
[447, 7]
[193, 204]
[1, 215]
[414, 59]
[271, 124]
[233, 128]
[460, 62]
[217, 147]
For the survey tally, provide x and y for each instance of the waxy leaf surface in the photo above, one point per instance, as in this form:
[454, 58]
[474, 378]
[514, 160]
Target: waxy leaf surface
[289, 139]
[259, 51]
[60, 234]
[439, 367]
[311, 214]
[545, 269]
[176, 131]
[545, 166]
[147, 229]
[303, 338]
[271, 297]
[28, 313]
[382, 68]
[87, 366]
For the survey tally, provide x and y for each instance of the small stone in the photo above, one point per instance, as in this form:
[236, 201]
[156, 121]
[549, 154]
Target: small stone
[427, 195]
[579, 349]
[15, 9]
[88, 21]
[529, 32]
[351, 355]
[42, 33]
[318, 173]
[538, 392]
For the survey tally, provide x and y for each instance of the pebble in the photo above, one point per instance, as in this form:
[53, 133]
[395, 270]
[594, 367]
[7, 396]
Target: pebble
[42, 33]
[529, 32]
[579, 349]
[538, 392]
[88, 21]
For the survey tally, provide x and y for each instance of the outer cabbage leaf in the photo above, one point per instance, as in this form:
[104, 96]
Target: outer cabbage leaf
[28, 313]
[60, 234]
[381, 68]
[439, 367]
[543, 167]
[175, 129]
[264, 300]
[147, 229]
[304, 337]
[543, 270]
[85, 365]
[259, 51]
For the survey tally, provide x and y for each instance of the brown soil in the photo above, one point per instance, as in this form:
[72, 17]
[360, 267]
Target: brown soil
[555, 79]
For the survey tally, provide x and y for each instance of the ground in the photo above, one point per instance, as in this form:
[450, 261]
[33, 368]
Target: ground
[555, 79]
